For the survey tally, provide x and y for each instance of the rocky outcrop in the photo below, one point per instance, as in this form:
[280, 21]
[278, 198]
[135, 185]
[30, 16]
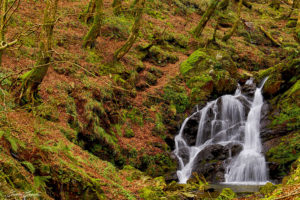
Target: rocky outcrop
[211, 161]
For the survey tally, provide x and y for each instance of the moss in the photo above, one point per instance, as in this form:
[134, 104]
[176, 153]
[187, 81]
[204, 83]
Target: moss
[177, 40]
[156, 165]
[159, 125]
[291, 23]
[176, 95]
[226, 194]
[284, 154]
[267, 189]
[151, 79]
[292, 180]
[161, 57]
[151, 193]
[192, 61]
[129, 133]
[157, 72]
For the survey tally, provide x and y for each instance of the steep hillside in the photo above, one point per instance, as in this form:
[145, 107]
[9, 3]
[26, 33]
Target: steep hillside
[103, 129]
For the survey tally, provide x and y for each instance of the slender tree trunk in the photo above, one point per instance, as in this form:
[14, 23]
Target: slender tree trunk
[4, 4]
[236, 23]
[90, 38]
[297, 31]
[117, 5]
[207, 15]
[88, 14]
[120, 53]
[5, 15]
[27, 86]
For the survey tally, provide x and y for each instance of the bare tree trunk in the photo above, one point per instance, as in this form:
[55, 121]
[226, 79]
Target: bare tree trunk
[26, 88]
[90, 38]
[236, 23]
[88, 14]
[117, 5]
[120, 53]
[207, 15]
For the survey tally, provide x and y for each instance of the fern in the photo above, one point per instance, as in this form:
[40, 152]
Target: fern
[40, 182]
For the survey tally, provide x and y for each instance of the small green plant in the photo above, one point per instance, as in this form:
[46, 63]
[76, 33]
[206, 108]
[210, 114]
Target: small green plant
[129, 133]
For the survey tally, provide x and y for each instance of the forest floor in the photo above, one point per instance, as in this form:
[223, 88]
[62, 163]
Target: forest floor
[45, 138]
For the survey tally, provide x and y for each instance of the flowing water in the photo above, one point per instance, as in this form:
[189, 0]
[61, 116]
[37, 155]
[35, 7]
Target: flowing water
[228, 123]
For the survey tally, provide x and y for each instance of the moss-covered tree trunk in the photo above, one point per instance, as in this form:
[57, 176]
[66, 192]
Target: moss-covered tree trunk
[236, 23]
[207, 15]
[90, 38]
[87, 15]
[121, 52]
[224, 4]
[26, 87]
[117, 6]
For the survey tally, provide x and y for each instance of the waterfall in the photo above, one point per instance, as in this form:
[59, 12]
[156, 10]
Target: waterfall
[225, 121]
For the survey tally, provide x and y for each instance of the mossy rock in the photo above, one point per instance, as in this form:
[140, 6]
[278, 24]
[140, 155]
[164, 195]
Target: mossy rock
[152, 193]
[177, 40]
[157, 72]
[161, 57]
[193, 60]
[267, 189]
[202, 60]
[226, 194]
[280, 77]
[273, 84]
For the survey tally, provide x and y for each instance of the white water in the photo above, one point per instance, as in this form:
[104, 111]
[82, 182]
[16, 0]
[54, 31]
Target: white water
[228, 124]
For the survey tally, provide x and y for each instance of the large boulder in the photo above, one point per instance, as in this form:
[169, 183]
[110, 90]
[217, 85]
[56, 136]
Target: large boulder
[209, 72]
[209, 163]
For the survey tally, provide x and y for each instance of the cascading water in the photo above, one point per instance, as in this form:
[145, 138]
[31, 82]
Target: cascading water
[224, 122]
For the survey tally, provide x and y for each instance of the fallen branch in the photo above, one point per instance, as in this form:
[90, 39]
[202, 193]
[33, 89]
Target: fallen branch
[289, 195]
[268, 35]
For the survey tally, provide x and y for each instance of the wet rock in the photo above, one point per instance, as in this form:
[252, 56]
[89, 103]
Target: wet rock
[184, 154]
[249, 90]
[246, 103]
[191, 129]
[170, 142]
[210, 162]
[170, 177]
[234, 148]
